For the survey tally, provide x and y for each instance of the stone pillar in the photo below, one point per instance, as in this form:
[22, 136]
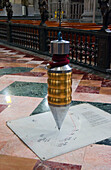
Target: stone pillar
[16, 7]
[91, 12]
[68, 9]
[36, 8]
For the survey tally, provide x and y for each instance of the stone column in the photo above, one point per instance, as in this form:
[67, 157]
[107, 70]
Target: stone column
[16, 7]
[68, 9]
[91, 12]
[36, 8]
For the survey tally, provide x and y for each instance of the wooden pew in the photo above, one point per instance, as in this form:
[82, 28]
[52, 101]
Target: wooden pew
[82, 26]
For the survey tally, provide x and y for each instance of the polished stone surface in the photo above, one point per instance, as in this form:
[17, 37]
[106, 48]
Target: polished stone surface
[84, 125]
[88, 86]
[43, 106]
[55, 166]
[26, 89]
[2, 107]
[13, 70]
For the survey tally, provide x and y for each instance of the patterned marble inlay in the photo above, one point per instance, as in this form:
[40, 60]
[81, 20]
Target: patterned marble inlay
[43, 107]
[23, 74]
[55, 166]
[35, 74]
[92, 77]
[39, 69]
[37, 59]
[26, 89]
[45, 62]
[106, 83]
[87, 89]
[105, 90]
[90, 83]
[13, 70]
[34, 62]
[2, 107]
[75, 71]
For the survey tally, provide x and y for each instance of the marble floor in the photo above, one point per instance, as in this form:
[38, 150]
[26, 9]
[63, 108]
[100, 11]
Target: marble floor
[23, 92]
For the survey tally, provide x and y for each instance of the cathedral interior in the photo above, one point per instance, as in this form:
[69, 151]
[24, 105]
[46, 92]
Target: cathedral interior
[28, 59]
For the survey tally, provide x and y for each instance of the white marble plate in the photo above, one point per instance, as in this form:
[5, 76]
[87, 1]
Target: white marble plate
[83, 125]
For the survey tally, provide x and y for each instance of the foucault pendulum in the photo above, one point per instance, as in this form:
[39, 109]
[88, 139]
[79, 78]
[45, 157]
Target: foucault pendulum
[59, 80]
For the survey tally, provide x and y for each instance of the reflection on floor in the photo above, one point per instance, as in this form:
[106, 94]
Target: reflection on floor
[23, 92]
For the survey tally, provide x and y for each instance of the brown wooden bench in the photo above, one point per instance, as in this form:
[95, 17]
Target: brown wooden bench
[82, 26]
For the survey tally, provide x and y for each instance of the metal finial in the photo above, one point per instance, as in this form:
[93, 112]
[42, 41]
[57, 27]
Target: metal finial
[59, 36]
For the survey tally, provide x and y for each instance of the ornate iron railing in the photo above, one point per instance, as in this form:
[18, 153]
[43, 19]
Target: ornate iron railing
[3, 31]
[87, 48]
[25, 36]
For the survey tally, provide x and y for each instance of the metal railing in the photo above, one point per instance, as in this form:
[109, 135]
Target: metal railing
[3, 31]
[25, 36]
[87, 48]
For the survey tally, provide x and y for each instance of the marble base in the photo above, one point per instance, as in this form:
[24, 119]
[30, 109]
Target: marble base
[87, 17]
[84, 125]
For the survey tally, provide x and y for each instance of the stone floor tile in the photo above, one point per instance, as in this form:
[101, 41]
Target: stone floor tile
[4, 83]
[13, 70]
[35, 74]
[98, 155]
[105, 90]
[92, 77]
[25, 58]
[55, 166]
[15, 147]
[106, 83]
[87, 89]
[95, 167]
[75, 157]
[16, 163]
[15, 64]
[17, 55]
[4, 129]
[45, 62]
[26, 78]
[75, 83]
[34, 62]
[37, 69]
[86, 85]
[20, 107]
[9, 59]
[76, 71]
[91, 83]
[77, 76]
[90, 97]
[30, 89]
[2, 107]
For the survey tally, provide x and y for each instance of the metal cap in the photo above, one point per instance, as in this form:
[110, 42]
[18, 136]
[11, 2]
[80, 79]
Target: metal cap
[60, 46]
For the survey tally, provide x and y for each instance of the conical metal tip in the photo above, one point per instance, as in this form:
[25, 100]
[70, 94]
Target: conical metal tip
[59, 114]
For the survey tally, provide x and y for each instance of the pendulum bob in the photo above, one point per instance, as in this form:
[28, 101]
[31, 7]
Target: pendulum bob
[59, 80]
[59, 92]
